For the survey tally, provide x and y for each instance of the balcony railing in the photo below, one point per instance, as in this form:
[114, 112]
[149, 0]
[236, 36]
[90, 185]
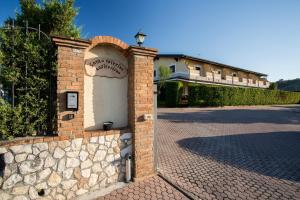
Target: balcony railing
[217, 78]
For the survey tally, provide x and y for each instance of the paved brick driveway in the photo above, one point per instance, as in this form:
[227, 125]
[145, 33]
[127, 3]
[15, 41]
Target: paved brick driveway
[151, 189]
[232, 153]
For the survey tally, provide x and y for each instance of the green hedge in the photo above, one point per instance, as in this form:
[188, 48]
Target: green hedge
[210, 95]
[173, 92]
[13, 121]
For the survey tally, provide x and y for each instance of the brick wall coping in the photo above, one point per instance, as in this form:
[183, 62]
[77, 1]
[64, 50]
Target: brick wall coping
[143, 51]
[40, 139]
[71, 42]
[108, 40]
[83, 44]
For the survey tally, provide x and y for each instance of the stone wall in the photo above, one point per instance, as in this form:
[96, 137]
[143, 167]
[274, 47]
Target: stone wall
[63, 169]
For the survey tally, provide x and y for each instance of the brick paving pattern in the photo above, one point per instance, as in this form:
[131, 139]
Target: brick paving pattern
[151, 188]
[232, 153]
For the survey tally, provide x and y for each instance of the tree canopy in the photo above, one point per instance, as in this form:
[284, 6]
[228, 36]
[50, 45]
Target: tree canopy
[54, 16]
[289, 85]
[28, 65]
[164, 74]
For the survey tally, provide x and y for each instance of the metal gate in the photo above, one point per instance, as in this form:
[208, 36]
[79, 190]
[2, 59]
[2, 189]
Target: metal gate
[155, 127]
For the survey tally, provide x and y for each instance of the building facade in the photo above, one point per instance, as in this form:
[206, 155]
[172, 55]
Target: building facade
[188, 69]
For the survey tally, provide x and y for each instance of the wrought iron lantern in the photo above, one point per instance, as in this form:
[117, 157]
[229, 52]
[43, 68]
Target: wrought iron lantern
[140, 37]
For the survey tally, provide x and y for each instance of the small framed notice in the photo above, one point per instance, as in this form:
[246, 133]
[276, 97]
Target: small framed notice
[72, 101]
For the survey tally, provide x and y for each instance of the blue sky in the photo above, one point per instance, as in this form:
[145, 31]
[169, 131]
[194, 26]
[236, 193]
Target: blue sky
[259, 35]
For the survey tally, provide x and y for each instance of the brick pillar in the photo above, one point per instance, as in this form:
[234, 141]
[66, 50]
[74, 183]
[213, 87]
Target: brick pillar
[140, 100]
[70, 77]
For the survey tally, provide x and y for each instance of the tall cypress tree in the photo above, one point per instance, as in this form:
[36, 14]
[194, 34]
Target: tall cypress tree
[28, 65]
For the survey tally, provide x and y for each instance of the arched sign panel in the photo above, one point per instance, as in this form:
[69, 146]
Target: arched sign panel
[106, 66]
[105, 87]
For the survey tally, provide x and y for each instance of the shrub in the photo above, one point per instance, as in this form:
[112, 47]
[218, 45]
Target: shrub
[173, 90]
[13, 122]
[211, 95]
[161, 90]
[5, 112]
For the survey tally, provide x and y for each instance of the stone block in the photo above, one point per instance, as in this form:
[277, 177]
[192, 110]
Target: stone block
[30, 179]
[81, 191]
[20, 190]
[66, 185]
[83, 155]
[58, 153]
[3, 150]
[33, 194]
[67, 174]
[21, 149]
[91, 148]
[86, 173]
[44, 174]
[44, 154]
[93, 180]
[20, 157]
[61, 165]
[20, 198]
[64, 144]
[100, 155]
[86, 164]
[41, 146]
[49, 162]
[72, 162]
[73, 154]
[54, 180]
[41, 186]
[31, 166]
[76, 144]
[11, 181]
[96, 168]
[8, 157]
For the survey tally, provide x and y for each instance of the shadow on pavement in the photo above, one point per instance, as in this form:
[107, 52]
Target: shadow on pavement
[274, 154]
[281, 116]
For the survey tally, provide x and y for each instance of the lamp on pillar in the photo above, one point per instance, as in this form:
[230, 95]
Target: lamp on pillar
[140, 37]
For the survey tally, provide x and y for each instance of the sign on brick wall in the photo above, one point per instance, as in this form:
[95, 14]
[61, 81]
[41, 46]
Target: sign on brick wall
[106, 67]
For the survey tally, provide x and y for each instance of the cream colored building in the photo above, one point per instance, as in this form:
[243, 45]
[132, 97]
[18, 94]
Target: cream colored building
[196, 70]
